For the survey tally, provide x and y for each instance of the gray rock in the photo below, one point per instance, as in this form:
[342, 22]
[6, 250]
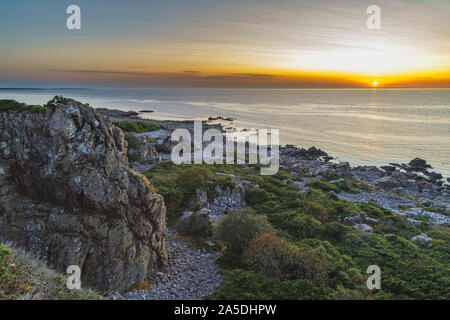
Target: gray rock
[363, 227]
[194, 222]
[305, 191]
[387, 182]
[68, 196]
[201, 196]
[343, 169]
[413, 222]
[353, 219]
[423, 239]
[373, 220]
[412, 185]
[332, 195]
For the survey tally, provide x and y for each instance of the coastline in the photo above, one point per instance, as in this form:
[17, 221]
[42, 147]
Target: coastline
[363, 127]
[407, 190]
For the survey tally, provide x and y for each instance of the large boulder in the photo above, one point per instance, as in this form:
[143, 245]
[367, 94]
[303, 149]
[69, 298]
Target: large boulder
[195, 222]
[388, 182]
[343, 169]
[67, 195]
[363, 227]
[418, 164]
[423, 239]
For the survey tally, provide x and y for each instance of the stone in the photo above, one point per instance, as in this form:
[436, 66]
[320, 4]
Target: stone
[305, 191]
[434, 175]
[412, 185]
[418, 164]
[413, 222]
[373, 220]
[363, 227]
[195, 222]
[343, 169]
[387, 182]
[69, 197]
[353, 219]
[423, 239]
[201, 196]
[332, 195]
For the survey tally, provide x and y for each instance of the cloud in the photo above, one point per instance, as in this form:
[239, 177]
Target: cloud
[197, 78]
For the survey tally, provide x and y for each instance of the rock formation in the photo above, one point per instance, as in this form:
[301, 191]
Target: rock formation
[67, 195]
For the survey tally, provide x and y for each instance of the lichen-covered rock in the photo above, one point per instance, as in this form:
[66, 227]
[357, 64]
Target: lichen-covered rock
[195, 222]
[67, 194]
[423, 239]
[363, 227]
[343, 169]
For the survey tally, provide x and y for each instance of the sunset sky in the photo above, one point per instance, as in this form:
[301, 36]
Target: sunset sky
[230, 43]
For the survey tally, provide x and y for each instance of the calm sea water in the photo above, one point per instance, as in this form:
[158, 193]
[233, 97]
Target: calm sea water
[374, 126]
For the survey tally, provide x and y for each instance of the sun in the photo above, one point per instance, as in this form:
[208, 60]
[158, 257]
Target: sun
[375, 83]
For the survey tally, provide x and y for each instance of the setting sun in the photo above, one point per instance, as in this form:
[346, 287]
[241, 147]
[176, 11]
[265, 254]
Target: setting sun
[375, 83]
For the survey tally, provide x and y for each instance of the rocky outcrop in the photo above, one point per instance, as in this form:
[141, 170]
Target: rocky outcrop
[307, 154]
[423, 239]
[67, 195]
[145, 151]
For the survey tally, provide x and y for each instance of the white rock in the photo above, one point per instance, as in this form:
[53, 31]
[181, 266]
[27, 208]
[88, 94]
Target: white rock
[363, 227]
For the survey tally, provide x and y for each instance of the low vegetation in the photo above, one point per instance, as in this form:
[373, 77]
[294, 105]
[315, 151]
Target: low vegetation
[136, 126]
[288, 245]
[22, 277]
[13, 105]
[178, 185]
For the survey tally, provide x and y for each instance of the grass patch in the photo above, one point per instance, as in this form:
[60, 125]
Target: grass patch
[13, 105]
[136, 126]
[22, 277]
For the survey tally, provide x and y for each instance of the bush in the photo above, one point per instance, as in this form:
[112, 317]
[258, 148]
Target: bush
[236, 230]
[277, 258]
[23, 277]
[192, 179]
[136, 126]
[133, 141]
[324, 186]
[244, 285]
[178, 185]
[8, 104]
[254, 196]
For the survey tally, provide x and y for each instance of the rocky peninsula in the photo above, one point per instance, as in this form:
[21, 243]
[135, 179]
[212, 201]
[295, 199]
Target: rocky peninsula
[91, 186]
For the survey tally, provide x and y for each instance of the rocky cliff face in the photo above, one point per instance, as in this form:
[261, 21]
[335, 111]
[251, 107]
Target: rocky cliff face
[67, 194]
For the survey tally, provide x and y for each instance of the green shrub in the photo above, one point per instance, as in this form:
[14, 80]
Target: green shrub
[8, 104]
[192, 179]
[244, 285]
[136, 126]
[254, 196]
[23, 277]
[133, 141]
[324, 186]
[277, 258]
[374, 210]
[224, 182]
[178, 185]
[236, 230]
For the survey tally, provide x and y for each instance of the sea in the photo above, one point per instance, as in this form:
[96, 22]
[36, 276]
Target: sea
[362, 126]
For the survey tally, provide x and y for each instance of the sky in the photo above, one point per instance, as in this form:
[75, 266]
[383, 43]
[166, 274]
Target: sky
[214, 43]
